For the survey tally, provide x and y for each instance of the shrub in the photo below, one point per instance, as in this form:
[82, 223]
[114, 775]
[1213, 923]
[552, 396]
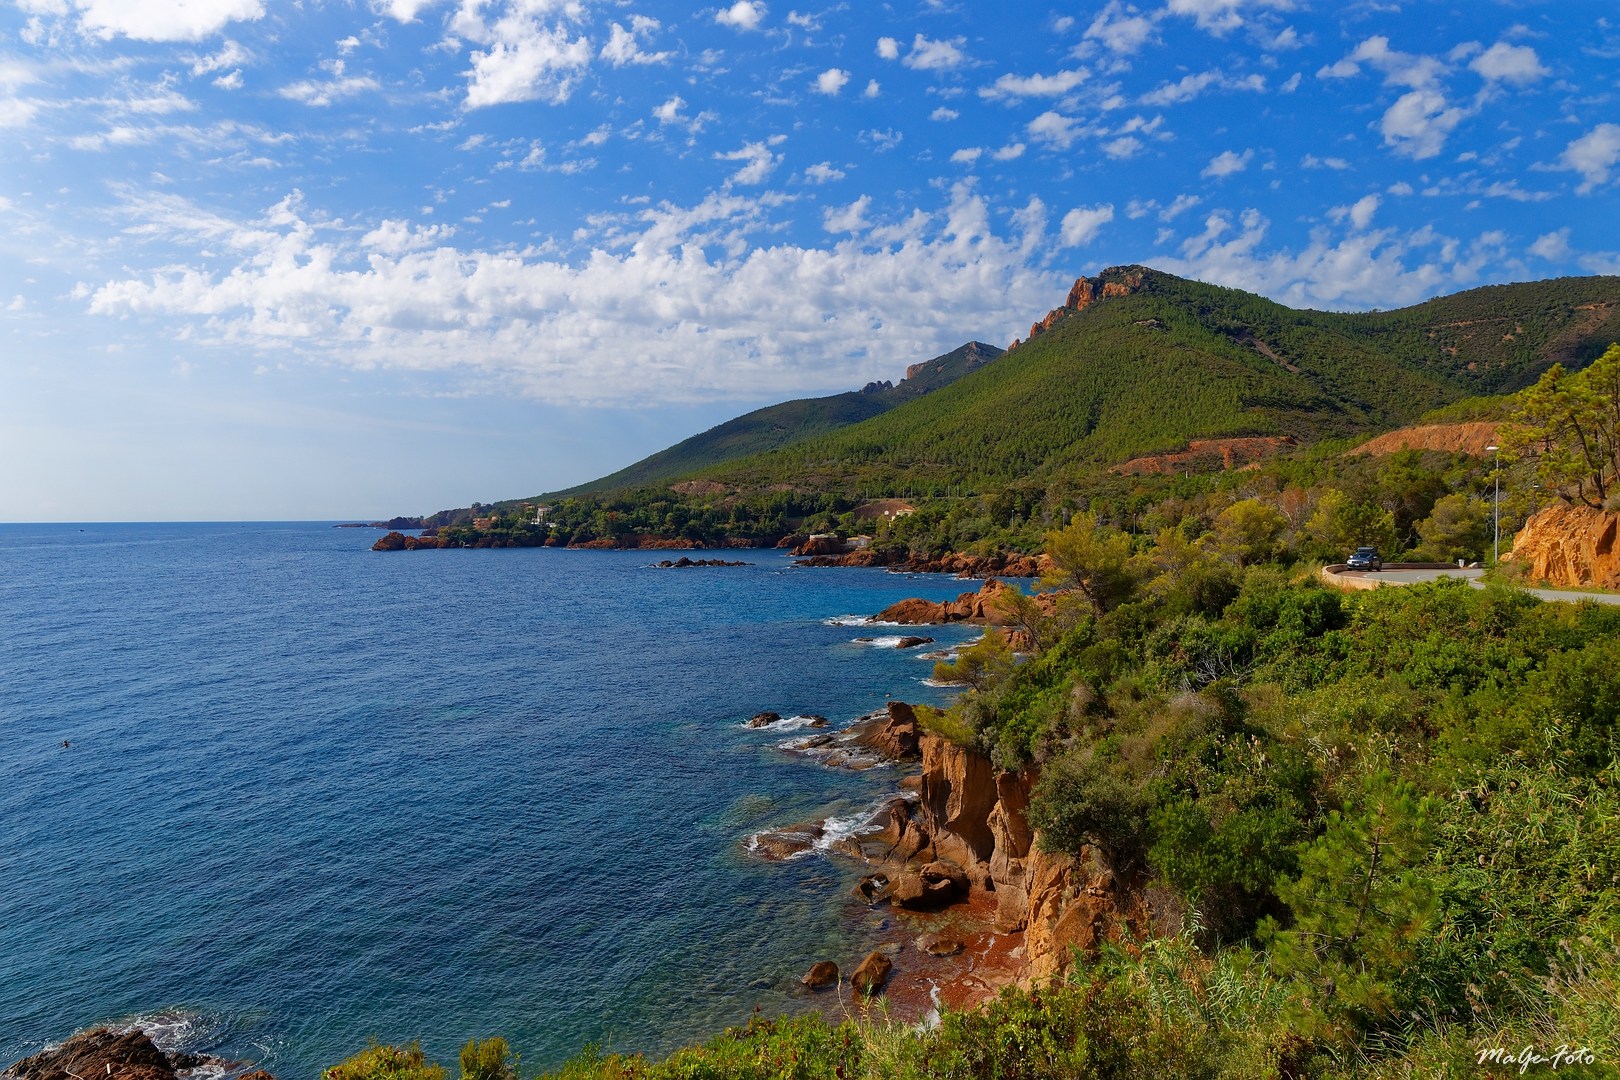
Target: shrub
[382, 1062]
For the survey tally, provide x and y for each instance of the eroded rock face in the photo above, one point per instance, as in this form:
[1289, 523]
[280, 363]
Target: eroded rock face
[958, 793]
[987, 607]
[1570, 546]
[893, 735]
[1073, 903]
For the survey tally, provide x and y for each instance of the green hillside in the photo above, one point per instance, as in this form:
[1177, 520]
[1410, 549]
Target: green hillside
[1173, 360]
[791, 422]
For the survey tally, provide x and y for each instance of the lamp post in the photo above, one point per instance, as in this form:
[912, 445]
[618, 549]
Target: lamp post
[1496, 527]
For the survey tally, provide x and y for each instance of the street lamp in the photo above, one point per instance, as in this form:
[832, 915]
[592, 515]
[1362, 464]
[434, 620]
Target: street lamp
[1496, 530]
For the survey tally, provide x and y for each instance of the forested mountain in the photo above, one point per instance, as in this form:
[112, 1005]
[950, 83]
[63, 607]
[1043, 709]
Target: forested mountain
[792, 421]
[1139, 361]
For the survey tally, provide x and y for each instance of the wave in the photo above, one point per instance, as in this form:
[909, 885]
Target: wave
[845, 620]
[790, 723]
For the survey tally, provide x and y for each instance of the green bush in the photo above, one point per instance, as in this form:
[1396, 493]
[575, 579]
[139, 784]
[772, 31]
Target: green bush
[382, 1062]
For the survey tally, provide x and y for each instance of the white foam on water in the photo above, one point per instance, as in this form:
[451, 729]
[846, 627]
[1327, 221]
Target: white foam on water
[846, 620]
[892, 642]
[176, 1030]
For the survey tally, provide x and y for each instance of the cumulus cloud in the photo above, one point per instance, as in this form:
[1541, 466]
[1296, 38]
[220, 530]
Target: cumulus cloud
[943, 114]
[230, 55]
[760, 163]
[1370, 268]
[670, 111]
[1360, 213]
[847, 219]
[888, 48]
[1013, 87]
[1517, 64]
[941, 55]
[1226, 163]
[396, 237]
[1009, 152]
[624, 46]
[1418, 124]
[1220, 17]
[1120, 28]
[1593, 155]
[669, 316]
[1553, 246]
[1054, 129]
[823, 173]
[967, 155]
[523, 59]
[154, 20]
[831, 81]
[1123, 148]
[743, 15]
[319, 93]
[1191, 86]
[1082, 224]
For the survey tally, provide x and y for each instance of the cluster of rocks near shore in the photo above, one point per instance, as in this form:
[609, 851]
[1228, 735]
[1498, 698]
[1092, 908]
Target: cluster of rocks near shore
[958, 832]
[105, 1054]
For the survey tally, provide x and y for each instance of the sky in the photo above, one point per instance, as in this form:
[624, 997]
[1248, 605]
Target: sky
[288, 259]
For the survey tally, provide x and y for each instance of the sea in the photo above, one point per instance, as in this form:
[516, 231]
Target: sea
[270, 795]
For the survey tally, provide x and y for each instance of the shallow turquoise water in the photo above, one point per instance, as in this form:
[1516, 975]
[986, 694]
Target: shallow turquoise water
[317, 794]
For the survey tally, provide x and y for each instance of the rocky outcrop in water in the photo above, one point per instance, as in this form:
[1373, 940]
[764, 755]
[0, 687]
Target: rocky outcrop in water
[987, 607]
[1571, 546]
[872, 974]
[104, 1054]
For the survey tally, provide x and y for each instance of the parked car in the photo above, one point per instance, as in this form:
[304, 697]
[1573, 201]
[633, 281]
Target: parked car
[1365, 558]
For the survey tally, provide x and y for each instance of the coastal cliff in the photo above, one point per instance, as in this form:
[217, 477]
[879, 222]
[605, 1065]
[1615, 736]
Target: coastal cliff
[966, 839]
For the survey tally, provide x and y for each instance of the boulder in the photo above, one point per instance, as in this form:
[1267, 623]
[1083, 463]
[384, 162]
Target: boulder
[764, 719]
[872, 974]
[822, 974]
[939, 945]
[779, 845]
[932, 887]
[913, 642]
[891, 734]
[873, 888]
[392, 542]
[95, 1055]
[818, 721]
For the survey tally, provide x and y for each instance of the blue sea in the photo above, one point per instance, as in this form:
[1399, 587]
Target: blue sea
[316, 795]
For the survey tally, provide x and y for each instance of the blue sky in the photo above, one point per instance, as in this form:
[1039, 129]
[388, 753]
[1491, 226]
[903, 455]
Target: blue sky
[269, 259]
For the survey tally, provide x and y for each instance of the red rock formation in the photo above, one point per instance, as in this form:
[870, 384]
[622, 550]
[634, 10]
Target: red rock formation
[392, 542]
[1570, 545]
[1088, 291]
[872, 974]
[104, 1054]
[983, 608]
[1471, 439]
[1207, 454]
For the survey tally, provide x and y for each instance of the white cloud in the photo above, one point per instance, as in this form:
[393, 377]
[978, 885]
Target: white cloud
[760, 163]
[402, 10]
[1122, 148]
[941, 55]
[312, 92]
[1364, 269]
[158, 20]
[831, 81]
[807, 22]
[823, 173]
[888, 48]
[1311, 161]
[1289, 86]
[1181, 205]
[524, 60]
[1082, 224]
[1593, 155]
[1226, 163]
[1054, 129]
[1400, 187]
[1120, 28]
[1220, 17]
[1517, 64]
[872, 89]
[1012, 86]
[1553, 246]
[743, 15]
[1419, 122]
[943, 114]
[624, 46]
[967, 155]
[396, 238]
[670, 111]
[1360, 213]
[230, 55]
[1185, 90]
[887, 139]
[233, 81]
[1009, 152]
[655, 322]
[847, 219]
[1399, 68]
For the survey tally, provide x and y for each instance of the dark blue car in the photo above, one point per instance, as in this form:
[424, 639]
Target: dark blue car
[1365, 558]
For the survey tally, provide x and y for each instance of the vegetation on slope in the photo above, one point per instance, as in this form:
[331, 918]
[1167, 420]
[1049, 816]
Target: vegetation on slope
[790, 422]
[1177, 360]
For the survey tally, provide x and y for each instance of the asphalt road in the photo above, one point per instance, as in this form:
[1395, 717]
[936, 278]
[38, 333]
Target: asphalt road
[1410, 577]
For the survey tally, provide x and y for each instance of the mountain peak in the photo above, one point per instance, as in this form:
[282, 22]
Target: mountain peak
[1114, 281]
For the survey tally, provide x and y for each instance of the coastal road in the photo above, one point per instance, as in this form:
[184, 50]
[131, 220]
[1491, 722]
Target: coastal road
[1410, 577]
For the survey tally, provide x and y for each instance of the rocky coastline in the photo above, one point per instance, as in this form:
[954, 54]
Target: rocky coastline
[976, 903]
[107, 1054]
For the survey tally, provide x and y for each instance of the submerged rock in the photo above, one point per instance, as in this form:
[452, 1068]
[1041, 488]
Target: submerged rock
[913, 642]
[939, 945]
[779, 845]
[872, 974]
[822, 974]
